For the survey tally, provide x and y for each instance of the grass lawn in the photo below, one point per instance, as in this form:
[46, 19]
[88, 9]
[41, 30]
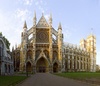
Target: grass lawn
[11, 80]
[93, 78]
[80, 75]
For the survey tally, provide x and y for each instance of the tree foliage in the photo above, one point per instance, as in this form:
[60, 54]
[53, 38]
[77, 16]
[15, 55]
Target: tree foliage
[7, 43]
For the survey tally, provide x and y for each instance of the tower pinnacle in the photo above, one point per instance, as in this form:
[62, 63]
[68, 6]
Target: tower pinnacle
[34, 19]
[25, 25]
[50, 20]
[60, 27]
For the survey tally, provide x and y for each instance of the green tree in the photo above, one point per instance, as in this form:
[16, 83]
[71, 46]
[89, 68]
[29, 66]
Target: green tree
[6, 41]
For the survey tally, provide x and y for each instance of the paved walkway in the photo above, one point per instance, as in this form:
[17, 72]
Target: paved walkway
[46, 79]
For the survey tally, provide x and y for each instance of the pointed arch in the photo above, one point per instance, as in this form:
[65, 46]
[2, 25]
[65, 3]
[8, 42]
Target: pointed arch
[77, 65]
[46, 52]
[54, 37]
[28, 67]
[37, 54]
[55, 67]
[55, 55]
[29, 54]
[42, 22]
[42, 65]
[66, 64]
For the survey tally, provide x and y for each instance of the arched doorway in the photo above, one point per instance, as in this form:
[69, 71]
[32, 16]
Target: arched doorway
[42, 65]
[28, 67]
[55, 67]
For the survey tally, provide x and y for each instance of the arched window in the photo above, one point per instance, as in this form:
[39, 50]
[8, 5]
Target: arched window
[46, 53]
[29, 54]
[70, 62]
[30, 36]
[18, 54]
[54, 38]
[66, 64]
[37, 54]
[55, 55]
[77, 65]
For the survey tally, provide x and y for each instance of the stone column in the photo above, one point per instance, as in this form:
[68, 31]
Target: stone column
[68, 62]
[82, 63]
[50, 70]
[72, 62]
[84, 66]
[79, 63]
[63, 64]
[76, 63]
[34, 68]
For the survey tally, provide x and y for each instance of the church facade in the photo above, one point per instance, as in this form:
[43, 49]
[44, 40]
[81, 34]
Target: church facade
[42, 50]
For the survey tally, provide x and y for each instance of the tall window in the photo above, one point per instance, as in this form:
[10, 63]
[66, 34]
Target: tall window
[29, 54]
[37, 53]
[46, 53]
[55, 55]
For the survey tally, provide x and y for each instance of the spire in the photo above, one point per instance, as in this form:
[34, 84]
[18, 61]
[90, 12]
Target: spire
[60, 27]
[25, 25]
[50, 20]
[34, 15]
[50, 16]
[13, 48]
[34, 19]
[16, 46]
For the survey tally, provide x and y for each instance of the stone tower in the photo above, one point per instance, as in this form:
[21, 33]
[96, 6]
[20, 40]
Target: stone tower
[23, 49]
[91, 47]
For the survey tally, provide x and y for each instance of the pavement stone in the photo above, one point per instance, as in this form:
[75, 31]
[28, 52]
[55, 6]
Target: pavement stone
[47, 79]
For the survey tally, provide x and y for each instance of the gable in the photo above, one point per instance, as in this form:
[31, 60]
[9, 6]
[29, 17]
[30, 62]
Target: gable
[42, 22]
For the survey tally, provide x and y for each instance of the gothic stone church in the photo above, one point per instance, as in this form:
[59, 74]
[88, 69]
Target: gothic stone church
[42, 50]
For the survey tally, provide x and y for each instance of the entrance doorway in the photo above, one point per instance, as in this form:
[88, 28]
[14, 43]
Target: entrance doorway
[28, 67]
[55, 67]
[42, 65]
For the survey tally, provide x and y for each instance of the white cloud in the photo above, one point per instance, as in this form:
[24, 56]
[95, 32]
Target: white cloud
[26, 2]
[21, 14]
[12, 24]
[47, 16]
[8, 28]
[41, 5]
[37, 3]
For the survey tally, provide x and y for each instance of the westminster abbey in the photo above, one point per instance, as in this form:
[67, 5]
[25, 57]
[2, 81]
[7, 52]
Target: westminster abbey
[42, 50]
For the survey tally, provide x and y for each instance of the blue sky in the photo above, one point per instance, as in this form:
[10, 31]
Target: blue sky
[76, 16]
